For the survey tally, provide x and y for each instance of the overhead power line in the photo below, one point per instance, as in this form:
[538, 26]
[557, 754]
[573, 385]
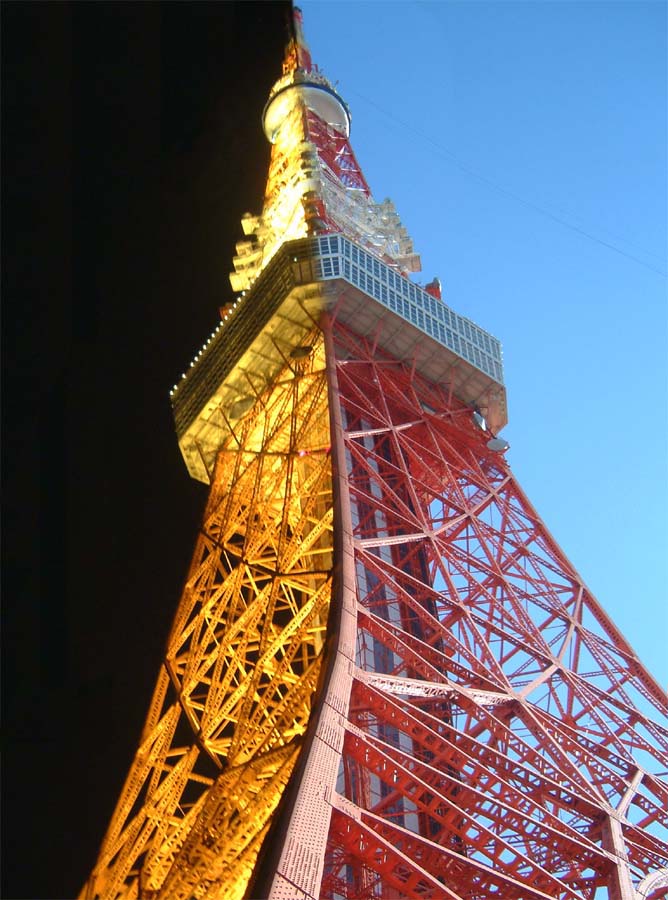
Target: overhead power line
[505, 192]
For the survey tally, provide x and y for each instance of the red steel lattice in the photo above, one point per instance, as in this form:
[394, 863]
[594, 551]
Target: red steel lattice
[503, 739]
[335, 152]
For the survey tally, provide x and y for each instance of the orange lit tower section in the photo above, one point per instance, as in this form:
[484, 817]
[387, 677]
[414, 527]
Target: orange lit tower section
[384, 679]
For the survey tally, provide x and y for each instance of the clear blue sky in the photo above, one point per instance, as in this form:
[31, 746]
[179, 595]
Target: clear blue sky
[518, 140]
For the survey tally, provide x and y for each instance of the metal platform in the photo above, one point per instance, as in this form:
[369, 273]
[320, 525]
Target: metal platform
[271, 320]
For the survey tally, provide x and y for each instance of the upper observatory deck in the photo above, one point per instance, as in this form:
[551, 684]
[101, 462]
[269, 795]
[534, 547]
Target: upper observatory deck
[322, 243]
[269, 321]
[340, 257]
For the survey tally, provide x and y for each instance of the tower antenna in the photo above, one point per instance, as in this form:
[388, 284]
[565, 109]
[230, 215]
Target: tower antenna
[298, 55]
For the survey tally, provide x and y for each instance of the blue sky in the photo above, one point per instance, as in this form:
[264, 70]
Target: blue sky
[524, 145]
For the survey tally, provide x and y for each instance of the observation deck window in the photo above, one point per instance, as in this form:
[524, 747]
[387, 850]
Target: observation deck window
[338, 256]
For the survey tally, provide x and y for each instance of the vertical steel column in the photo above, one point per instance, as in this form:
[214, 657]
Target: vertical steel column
[300, 867]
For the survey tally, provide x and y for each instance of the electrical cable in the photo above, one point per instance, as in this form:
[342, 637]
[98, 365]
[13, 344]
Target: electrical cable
[505, 192]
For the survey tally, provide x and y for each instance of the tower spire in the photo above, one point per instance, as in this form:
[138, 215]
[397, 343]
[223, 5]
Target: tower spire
[315, 184]
[297, 53]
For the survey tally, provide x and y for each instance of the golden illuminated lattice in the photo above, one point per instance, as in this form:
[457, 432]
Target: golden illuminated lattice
[242, 661]
[283, 216]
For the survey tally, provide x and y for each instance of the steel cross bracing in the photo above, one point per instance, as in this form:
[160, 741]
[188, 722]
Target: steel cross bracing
[242, 662]
[499, 737]
[315, 186]
[483, 729]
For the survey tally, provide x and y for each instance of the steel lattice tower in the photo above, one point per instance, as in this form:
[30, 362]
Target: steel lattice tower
[384, 679]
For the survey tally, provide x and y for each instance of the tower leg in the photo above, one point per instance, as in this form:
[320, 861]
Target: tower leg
[242, 662]
[620, 886]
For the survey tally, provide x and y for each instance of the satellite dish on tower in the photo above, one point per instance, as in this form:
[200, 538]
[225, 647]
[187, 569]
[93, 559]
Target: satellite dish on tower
[479, 419]
[498, 444]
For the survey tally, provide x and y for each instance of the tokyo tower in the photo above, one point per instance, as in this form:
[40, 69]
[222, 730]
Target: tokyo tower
[384, 678]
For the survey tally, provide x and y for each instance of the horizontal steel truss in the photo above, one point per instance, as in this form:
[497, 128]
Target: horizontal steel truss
[502, 739]
[242, 661]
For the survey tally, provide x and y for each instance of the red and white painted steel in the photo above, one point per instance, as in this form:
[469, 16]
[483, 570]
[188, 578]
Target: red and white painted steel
[491, 731]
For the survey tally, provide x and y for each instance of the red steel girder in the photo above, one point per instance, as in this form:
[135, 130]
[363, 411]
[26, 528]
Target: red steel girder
[502, 739]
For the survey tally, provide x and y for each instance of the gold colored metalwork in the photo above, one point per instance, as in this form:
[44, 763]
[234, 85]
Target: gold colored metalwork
[242, 662]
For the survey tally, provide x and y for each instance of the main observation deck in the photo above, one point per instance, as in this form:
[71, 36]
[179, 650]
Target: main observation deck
[274, 317]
